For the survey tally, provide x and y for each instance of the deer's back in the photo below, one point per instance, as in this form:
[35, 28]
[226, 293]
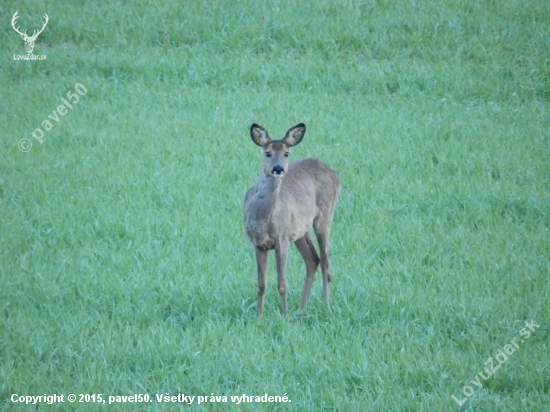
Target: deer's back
[308, 191]
[312, 182]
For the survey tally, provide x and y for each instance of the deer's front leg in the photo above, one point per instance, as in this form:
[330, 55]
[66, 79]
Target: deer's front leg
[261, 261]
[281, 249]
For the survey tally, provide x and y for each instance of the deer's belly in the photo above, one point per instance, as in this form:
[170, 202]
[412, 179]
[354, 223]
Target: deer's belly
[299, 230]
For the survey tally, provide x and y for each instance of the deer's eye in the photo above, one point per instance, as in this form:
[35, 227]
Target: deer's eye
[267, 154]
[286, 154]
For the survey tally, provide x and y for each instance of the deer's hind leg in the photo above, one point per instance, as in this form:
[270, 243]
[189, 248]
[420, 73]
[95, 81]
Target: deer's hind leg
[322, 231]
[311, 260]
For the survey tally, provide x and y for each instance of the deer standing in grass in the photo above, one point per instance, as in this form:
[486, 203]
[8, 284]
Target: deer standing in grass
[281, 208]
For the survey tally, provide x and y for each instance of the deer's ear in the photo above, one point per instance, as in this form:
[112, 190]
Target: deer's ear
[259, 135]
[295, 134]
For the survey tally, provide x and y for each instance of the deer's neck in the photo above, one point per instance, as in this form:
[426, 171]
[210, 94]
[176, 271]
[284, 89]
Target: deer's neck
[266, 196]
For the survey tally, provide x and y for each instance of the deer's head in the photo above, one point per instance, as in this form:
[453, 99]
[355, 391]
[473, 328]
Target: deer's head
[276, 152]
[29, 40]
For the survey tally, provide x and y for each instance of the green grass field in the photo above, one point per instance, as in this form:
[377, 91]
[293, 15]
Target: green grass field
[124, 266]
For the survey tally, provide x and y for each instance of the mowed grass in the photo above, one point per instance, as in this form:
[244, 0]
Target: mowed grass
[124, 264]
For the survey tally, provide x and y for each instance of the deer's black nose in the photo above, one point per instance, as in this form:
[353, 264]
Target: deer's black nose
[277, 170]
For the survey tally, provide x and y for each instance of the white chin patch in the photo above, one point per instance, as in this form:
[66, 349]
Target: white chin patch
[278, 176]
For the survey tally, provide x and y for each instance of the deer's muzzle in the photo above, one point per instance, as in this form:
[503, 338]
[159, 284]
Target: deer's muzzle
[277, 171]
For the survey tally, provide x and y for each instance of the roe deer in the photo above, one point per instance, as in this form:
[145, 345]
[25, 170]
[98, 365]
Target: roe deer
[281, 208]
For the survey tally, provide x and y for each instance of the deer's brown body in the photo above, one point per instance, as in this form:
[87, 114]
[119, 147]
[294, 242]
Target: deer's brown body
[283, 206]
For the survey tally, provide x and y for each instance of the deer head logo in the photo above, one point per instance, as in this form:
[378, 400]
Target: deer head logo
[29, 40]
